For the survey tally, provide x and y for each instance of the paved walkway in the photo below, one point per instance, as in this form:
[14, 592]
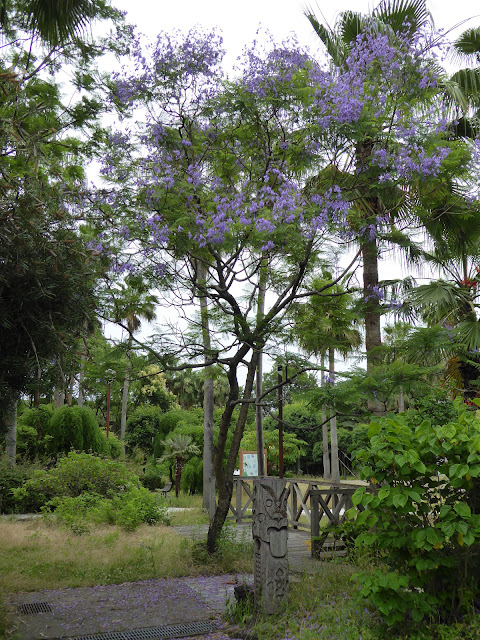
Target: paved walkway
[150, 609]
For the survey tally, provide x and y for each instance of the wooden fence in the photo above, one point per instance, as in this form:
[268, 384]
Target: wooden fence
[308, 502]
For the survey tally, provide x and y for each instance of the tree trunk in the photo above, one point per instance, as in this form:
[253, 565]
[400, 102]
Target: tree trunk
[178, 474]
[259, 375]
[69, 394]
[208, 405]
[326, 455]
[58, 398]
[224, 477]
[333, 422]
[10, 419]
[126, 386]
[373, 337]
[81, 376]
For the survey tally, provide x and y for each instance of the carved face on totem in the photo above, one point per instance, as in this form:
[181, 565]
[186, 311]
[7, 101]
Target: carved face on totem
[270, 515]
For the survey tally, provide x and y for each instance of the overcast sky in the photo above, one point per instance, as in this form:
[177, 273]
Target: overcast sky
[240, 20]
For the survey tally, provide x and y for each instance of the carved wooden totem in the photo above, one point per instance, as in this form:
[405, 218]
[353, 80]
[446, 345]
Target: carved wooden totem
[270, 531]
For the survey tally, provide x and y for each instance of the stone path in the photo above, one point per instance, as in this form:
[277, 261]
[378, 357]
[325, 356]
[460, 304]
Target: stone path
[147, 605]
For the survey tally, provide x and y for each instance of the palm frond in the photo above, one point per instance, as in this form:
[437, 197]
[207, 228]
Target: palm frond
[58, 21]
[403, 15]
[335, 48]
[350, 25]
[466, 47]
[468, 334]
[440, 301]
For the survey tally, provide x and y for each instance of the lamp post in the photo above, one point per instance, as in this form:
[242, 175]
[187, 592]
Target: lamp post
[110, 375]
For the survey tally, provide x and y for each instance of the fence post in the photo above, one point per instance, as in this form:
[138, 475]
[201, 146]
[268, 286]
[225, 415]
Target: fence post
[238, 500]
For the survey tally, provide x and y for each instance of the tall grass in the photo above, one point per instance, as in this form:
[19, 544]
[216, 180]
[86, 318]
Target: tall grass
[40, 555]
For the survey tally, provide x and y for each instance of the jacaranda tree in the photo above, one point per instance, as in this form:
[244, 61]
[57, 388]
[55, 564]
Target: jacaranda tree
[225, 173]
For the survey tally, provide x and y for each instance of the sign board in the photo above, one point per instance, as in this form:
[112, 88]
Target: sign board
[249, 462]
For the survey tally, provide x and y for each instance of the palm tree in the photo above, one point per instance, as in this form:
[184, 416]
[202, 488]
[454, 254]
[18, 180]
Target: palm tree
[390, 17]
[326, 324]
[133, 303]
[178, 448]
[396, 15]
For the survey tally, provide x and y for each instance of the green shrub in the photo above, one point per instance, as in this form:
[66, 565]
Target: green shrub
[12, 478]
[76, 428]
[153, 478]
[115, 449]
[127, 509]
[73, 475]
[142, 427]
[425, 516]
[33, 432]
[192, 476]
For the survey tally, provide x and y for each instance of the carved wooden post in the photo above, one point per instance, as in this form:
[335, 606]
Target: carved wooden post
[270, 531]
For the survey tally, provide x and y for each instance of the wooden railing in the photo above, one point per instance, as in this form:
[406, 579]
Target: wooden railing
[308, 502]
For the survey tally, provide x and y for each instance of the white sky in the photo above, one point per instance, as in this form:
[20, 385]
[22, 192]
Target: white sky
[239, 21]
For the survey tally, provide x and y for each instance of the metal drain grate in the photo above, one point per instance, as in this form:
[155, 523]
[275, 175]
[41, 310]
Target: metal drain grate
[171, 631]
[33, 607]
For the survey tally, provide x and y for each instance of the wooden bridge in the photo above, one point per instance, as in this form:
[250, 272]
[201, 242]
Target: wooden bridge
[311, 504]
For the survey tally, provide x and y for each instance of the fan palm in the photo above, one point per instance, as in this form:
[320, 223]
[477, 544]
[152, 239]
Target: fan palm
[369, 200]
[178, 448]
[326, 324]
[408, 17]
[54, 21]
[133, 303]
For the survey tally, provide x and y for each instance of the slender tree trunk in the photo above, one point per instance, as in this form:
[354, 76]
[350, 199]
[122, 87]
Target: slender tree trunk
[208, 405]
[126, 386]
[333, 422]
[36, 397]
[259, 376]
[81, 376]
[326, 454]
[10, 420]
[69, 394]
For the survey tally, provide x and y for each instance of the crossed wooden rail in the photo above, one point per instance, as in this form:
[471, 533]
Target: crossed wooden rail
[308, 502]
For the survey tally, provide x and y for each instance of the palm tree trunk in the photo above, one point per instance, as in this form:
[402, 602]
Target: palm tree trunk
[208, 405]
[373, 336]
[326, 455]
[333, 422]
[178, 474]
